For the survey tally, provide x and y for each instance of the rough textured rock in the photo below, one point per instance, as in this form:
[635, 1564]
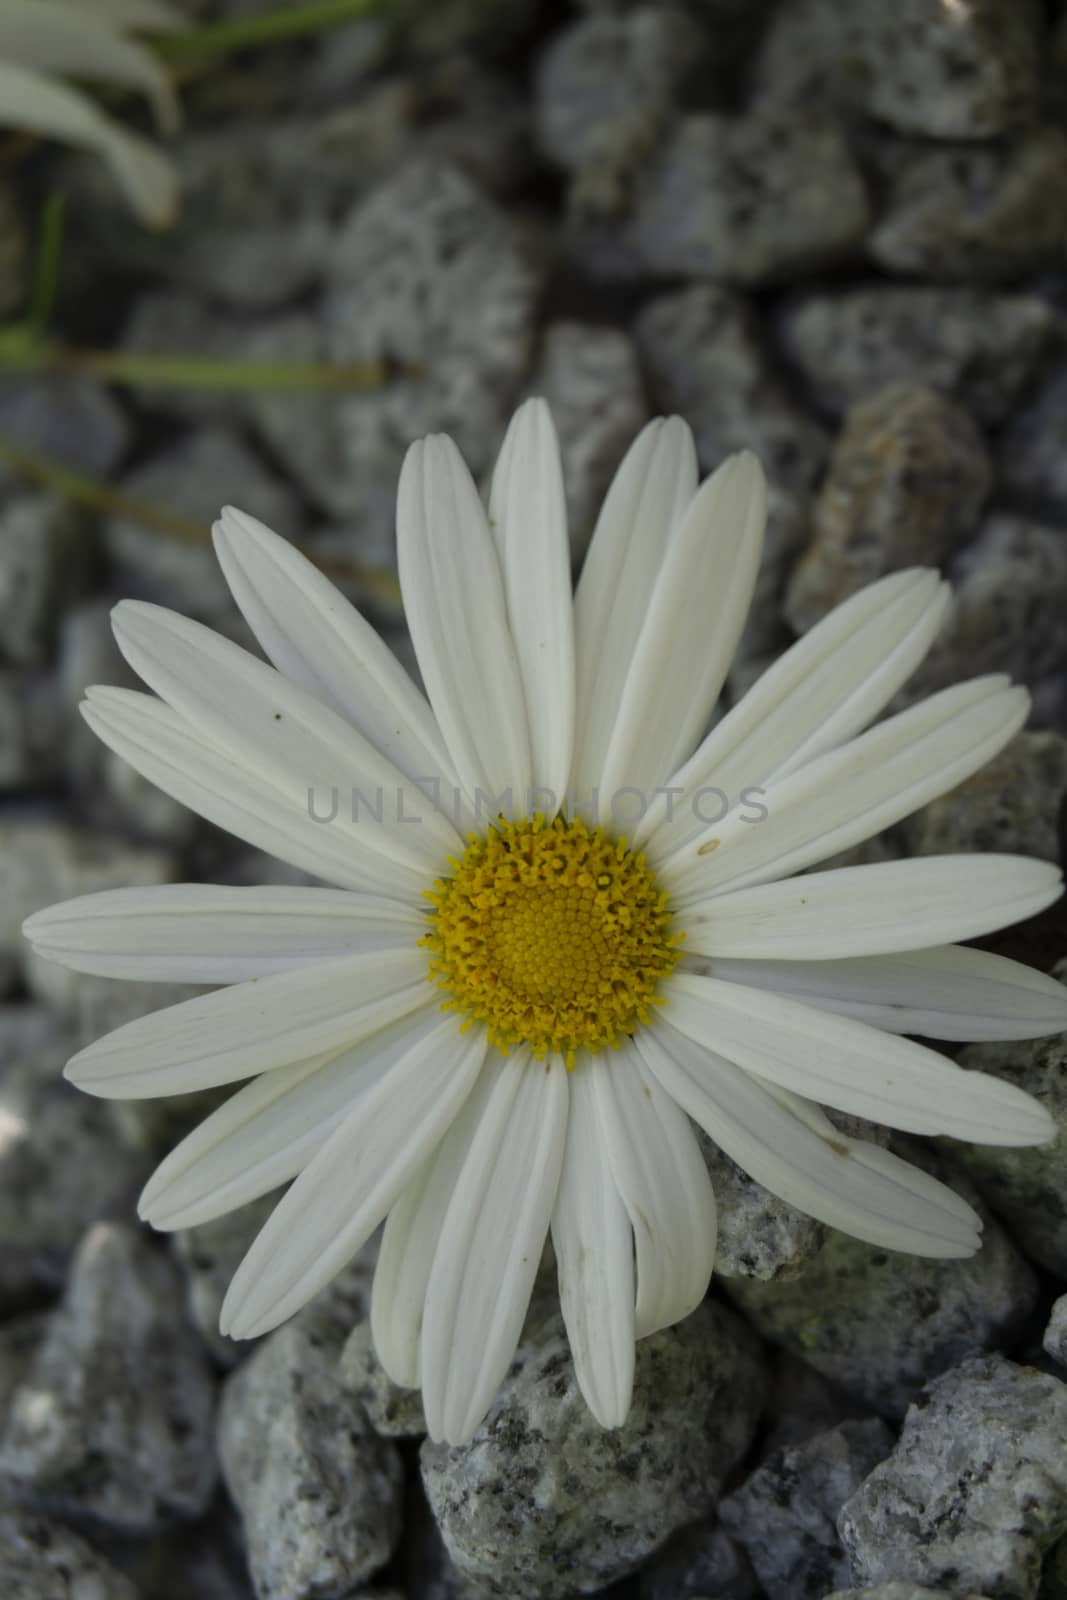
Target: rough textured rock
[193, 479]
[393, 1412]
[934, 70]
[209, 1256]
[591, 378]
[803, 1403]
[42, 1560]
[749, 200]
[976, 1489]
[976, 345]
[785, 1513]
[113, 1418]
[1013, 804]
[904, 487]
[701, 1561]
[984, 215]
[1028, 1188]
[46, 562]
[900, 1591]
[318, 1492]
[1055, 1339]
[61, 1168]
[880, 1323]
[544, 1502]
[1032, 456]
[760, 1236]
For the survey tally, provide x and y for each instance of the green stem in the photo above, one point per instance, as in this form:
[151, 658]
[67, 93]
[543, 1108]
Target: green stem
[286, 22]
[196, 372]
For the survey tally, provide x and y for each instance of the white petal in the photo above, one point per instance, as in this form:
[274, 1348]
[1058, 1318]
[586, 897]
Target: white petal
[847, 795]
[162, 747]
[823, 690]
[263, 1135]
[211, 933]
[31, 101]
[948, 993]
[873, 910]
[528, 518]
[695, 616]
[252, 1027]
[350, 1184]
[842, 1063]
[250, 711]
[595, 1259]
[491, 1244]
[457, 612]
[409, 1244]
[58, 38]
[322, 643]
[664, 1184]
[643, 509]
[847, 1183]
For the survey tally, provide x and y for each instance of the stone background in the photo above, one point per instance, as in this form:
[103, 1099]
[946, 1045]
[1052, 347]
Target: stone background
[832, 230]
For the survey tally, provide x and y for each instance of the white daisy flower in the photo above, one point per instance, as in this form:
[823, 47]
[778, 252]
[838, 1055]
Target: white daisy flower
[487, 1042]
[44, 41]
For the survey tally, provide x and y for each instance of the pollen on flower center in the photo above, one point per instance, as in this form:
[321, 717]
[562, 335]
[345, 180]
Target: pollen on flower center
[553, 934]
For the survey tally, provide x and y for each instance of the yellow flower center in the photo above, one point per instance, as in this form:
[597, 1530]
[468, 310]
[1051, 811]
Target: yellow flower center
[551, 933]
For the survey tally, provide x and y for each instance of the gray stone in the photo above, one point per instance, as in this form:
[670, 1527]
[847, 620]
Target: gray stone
[74, 420]
[30, 720]
[1028, 1187]
[591, 379]
[209, 1255]
[1010, 592]
[901, 1591]
[785, 1513]
[976, 345]
[701, 1562]
[19, 1341]
[173, 322]
[1012, 804]
[193, 479]
[982, 216]
[750, 200]
[61, 1168]
[113, 1420]
[318, 1491]
[543, 1502]
[474, 121]
[975, 1490]
[393, 1412]
[1032, 454]
[947, 73]
[42, 1560]
[46, 560]
[904, 487]
[14, 252]
[606, 88]
[759, 1236]
[1055, 1338]
[881, 1323]
[31, 1036]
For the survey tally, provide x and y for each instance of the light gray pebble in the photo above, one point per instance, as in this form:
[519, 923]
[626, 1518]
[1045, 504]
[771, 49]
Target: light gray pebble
[976, 216]
[193, 479]
[1012, 804]
[47, 557]
[113, 1419]
[61, 1167]
[785, 1513]
[750, 200]
[905, 485]
[978, 346]
[881, 1323]
[932, 70]
[1055, 1338]
[976, 1489]
[72, 419]
[759, 1235]
[209, 1255]
[318, 1491]
[42, 1560]
[393, 1412]
[1027, 1187]
[543, 1502]
[700, 1563]
[591, 378]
